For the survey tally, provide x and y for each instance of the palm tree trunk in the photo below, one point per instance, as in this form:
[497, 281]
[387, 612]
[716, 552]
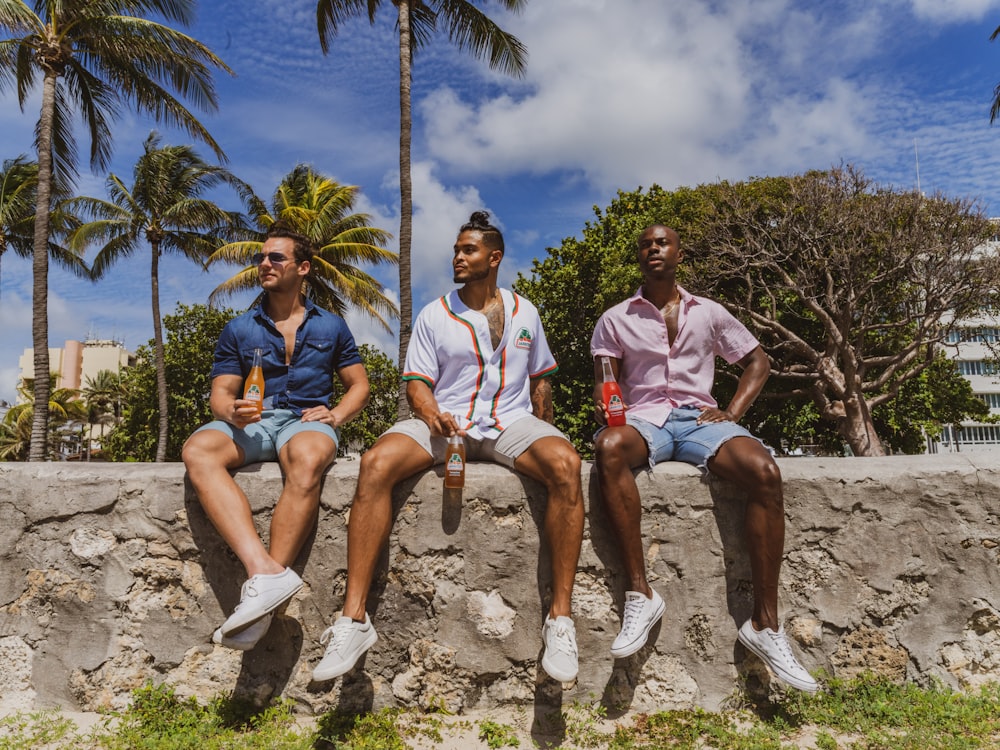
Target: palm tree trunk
[38, 450]
[159, 357]
[405, 198]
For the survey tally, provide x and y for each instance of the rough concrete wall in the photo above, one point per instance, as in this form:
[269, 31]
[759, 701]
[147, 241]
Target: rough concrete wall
[110, 575]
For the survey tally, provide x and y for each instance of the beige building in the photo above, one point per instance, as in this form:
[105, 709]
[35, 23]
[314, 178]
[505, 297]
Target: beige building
[77, 361]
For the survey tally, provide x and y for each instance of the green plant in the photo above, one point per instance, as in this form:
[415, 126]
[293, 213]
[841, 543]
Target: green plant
[26, 731]
[497, 735]
[373, 731]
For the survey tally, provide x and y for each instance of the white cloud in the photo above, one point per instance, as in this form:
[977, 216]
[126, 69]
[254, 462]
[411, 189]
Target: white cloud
[633, 92]
[954, 11]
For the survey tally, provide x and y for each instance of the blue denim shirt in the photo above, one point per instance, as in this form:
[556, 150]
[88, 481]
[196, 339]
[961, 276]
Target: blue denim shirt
[323, 345]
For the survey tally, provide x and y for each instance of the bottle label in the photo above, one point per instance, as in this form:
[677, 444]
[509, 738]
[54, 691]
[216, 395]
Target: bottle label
[455, 464]
[253, 392]
[615, 405]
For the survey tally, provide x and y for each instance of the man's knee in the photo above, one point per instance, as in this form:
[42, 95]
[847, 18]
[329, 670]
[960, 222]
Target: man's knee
[562, 466]
[201, 449]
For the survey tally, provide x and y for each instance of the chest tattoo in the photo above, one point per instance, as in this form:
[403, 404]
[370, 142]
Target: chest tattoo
[494, 317]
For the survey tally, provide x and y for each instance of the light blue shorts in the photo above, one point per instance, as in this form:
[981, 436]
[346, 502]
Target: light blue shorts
[263, 440]
[504, 449]
[683, 439]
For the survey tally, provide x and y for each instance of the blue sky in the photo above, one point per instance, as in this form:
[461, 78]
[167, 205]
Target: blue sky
[618, 94]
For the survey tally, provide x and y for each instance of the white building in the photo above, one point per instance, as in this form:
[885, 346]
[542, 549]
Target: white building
[977, 362]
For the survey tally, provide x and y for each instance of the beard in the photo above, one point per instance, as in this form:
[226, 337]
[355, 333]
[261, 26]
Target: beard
[464, 277]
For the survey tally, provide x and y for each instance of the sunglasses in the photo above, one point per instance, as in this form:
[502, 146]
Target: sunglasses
[276, 259]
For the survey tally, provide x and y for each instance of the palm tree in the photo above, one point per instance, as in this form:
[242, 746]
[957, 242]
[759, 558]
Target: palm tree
[18, 183]
[320, 208]
[103, 397]
[469, 29]
[94, 56]
[163, 208]
[64, 406]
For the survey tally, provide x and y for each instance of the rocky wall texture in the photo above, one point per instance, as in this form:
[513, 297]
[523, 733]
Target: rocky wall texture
[111, 576]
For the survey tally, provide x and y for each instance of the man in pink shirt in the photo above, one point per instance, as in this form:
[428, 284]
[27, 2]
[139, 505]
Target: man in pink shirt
[662, 343]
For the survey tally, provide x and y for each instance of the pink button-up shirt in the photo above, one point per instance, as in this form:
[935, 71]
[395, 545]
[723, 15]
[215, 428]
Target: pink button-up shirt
[654, 376]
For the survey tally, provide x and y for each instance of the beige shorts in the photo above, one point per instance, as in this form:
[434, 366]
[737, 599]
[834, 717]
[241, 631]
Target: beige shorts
[504, 449]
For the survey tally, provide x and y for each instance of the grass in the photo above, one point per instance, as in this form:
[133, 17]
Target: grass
[866, 714]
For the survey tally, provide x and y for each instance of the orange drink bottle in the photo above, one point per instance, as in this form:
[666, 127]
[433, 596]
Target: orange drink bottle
[612, 395]
[253, 389]
[454, 465]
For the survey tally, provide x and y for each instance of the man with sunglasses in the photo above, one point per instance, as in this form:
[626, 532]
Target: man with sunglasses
[303, 347]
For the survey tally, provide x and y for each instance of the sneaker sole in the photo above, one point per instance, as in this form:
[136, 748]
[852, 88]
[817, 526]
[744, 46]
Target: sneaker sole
[235, 643]
[322, 675]
[639, 642]
[555, 674]
[806, 687]
[242, 623]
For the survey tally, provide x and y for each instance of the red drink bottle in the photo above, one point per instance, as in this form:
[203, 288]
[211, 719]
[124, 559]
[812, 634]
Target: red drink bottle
[612, 396]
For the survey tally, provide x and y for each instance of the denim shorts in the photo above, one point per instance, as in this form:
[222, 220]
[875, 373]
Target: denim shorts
[504, 449]
[263, 440]
[683, 439]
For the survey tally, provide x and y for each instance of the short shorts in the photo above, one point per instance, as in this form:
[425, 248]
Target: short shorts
[263, 440]
[505, 449]
[682, 439]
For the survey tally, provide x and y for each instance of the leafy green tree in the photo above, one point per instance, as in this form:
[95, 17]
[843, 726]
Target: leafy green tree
[94, 57]
[320, 208]
[937, 397]
[417, 20]
[18, 185]
[165, 210]
[383, 376]
[192, 332]
[850, 286]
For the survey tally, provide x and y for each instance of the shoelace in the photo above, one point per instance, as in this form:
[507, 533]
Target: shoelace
[248, 591]
[780, 640]
[562, 639]
[339, 637]
[633, 611]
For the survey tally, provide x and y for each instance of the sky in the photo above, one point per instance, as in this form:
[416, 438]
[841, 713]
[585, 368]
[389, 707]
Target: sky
[617, 95]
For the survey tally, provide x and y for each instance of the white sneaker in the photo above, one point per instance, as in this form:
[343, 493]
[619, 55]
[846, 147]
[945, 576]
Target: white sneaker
[260, 596]
[348, 641]
[247, 638]
[775, 651]
[560, 658]
[640, 615]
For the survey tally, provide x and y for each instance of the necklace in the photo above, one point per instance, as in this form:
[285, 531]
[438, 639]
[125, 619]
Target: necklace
[668, 308]
[496, 300]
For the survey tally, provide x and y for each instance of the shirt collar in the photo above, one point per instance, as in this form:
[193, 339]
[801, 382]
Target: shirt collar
[261, 313]
[636, 298]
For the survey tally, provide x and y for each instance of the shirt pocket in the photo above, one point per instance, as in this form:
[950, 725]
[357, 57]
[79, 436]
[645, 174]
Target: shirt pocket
[317, 353]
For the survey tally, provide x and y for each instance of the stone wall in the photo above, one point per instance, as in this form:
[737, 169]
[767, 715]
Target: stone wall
[110, 576]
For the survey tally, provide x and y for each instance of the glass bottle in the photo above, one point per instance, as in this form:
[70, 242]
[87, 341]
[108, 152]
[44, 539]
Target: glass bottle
[454, 465]
[611, 393]
[253, 389]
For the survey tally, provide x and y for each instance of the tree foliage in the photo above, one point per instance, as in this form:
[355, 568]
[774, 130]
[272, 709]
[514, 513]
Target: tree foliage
[851, 288]
[93, 57]
[360, 433]
[320, 208]
[165, 210]
[18, 188]
[192, 332]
